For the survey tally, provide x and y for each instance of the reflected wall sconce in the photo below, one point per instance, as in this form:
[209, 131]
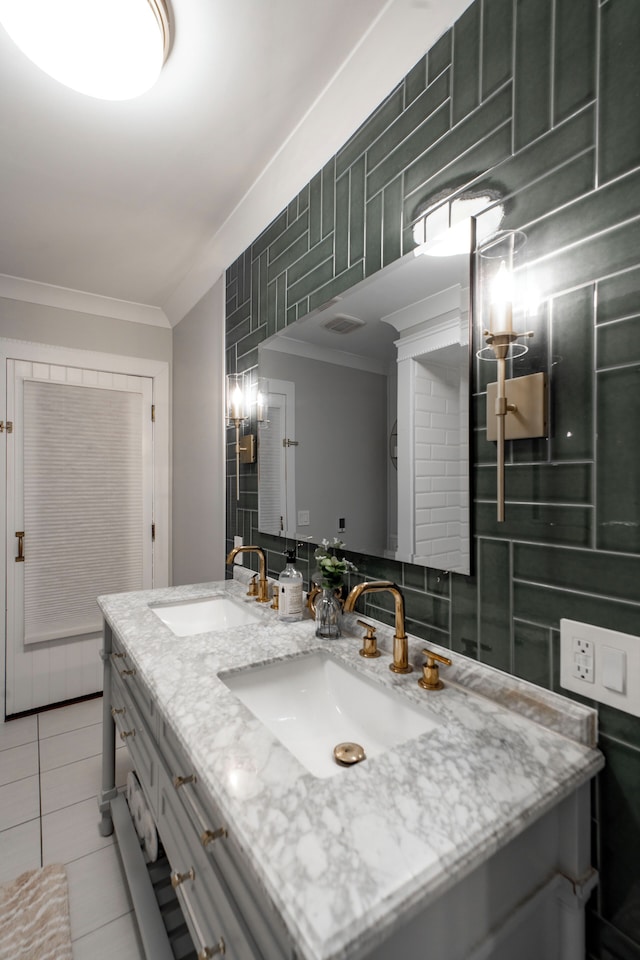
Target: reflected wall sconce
[243, 396]
[516, 408]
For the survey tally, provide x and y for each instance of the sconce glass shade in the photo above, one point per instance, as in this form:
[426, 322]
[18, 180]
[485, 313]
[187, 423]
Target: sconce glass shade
[109, 49]
[262, 399]
[501, 284]
[236, 399]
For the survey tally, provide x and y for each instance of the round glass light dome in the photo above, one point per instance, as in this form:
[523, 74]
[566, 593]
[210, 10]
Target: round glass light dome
[109, 49]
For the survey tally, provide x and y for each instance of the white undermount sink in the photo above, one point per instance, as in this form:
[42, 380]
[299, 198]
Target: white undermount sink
[188, 617]
[313, 702]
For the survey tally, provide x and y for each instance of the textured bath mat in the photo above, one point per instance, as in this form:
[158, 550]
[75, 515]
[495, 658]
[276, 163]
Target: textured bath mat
[34, 916]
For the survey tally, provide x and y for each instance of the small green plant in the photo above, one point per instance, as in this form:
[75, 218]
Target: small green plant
[331, 567]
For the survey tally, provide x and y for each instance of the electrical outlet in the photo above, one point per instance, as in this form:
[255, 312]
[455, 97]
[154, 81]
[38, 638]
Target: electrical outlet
[601, 664]
[582, 659]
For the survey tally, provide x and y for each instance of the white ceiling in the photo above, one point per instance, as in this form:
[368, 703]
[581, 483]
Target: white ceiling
[120, 199]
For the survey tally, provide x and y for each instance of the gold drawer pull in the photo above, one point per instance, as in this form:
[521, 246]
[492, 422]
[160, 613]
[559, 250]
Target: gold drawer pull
[118, 710]
[127, 673]
[209, 836]
[208, 952]
[118, 656]
[127, 733]
[178, 878]
[180, 781]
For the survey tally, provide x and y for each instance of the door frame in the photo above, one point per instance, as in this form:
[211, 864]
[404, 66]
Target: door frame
[158, 371]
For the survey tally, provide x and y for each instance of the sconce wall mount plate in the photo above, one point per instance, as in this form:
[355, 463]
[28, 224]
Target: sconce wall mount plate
[528, 395]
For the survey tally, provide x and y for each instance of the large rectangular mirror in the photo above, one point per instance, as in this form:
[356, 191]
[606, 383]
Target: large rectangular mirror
[367, 432]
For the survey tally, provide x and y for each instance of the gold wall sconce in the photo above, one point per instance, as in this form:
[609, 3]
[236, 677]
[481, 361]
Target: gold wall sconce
[516, 408]
[244, 396]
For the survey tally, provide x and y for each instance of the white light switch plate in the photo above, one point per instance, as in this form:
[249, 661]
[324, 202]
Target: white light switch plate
[615, 679]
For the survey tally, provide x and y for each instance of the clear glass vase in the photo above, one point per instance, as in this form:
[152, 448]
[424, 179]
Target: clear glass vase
[328, 614]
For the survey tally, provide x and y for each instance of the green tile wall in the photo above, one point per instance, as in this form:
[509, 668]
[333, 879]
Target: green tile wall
[537, 100]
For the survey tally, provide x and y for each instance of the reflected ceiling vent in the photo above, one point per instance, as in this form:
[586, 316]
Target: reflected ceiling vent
[344, 324]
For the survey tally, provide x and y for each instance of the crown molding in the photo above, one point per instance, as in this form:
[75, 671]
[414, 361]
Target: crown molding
[79, 301]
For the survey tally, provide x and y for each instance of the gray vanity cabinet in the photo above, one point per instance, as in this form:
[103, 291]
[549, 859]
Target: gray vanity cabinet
[225, 908]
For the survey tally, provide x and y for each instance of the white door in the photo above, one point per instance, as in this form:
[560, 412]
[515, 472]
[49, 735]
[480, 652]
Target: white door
[276, 462]
[79, 521]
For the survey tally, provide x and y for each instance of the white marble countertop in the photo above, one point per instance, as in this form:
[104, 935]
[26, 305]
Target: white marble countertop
[349, 857]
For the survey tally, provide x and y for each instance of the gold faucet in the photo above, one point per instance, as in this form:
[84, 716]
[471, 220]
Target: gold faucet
[263, 586]
[400, 644]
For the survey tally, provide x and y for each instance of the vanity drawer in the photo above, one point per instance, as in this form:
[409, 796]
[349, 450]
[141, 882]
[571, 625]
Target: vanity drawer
[211, 916]
[134, 732]
[221, 851]
[126, 671]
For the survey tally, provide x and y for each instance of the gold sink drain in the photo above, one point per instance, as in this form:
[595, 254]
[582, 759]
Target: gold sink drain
[348, 753]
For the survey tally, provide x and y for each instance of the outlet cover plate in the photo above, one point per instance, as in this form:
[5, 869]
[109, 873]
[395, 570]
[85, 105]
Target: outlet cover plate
[604, 642]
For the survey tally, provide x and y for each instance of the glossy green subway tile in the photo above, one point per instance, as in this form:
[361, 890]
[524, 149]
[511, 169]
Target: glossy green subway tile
[337, 285]
[256, 319]
[538, 482]
[408, 121]
[618, 296]
[303, 265]
[620, 841]
[373, 230]
[439, 56]
[292, 211]
[491, 115]
[281, 302]
[292, 254]
[618, 455]
[466, 62]
[562, 185]
[265, 239]
[392, 222]
[342, 223]
[532, 653]
[438, 581]
[581, 570]
[574, 55]
[604, 942]
[483, 450]
[425, 608]
[242, 315]
[303, 199]
[248, 343]
[272, 308]
[548, 523]
[414, 576]
[281, 244]
[596, 211]
[545, 606]
[619, 139]
[356, 210]
[370, 130]
[497, 44]
[328, 197]
[495, 607]
[464, 615]
[420, 140]
[571, 395]
[532, 60]
[589, 260]
[262, 291]
[619, 342]
[315, 210]
[621, 726]
[415, 81]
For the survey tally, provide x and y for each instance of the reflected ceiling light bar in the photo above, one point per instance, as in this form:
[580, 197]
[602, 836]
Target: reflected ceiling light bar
[108, 49]
[445, 231]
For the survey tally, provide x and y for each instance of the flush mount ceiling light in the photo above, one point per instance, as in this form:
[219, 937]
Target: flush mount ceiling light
[109, 49]
[445, 230]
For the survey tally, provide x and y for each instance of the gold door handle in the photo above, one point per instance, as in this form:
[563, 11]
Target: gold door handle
[127, 733]
[20, 536]
[118, 710]
[210, 836]
[178, 878]
[180, 781]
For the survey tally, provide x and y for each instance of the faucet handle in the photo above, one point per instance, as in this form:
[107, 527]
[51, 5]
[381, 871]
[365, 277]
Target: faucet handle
[253, 586]
[430, 679]
[370, 643]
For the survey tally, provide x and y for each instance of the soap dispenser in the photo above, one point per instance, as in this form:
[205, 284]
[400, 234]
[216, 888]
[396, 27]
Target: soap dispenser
[290, 585]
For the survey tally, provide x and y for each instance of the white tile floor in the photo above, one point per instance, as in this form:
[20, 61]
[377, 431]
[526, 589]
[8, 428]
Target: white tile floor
[50, 768]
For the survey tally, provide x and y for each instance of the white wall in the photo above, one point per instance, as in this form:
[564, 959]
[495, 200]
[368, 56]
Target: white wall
[198, 442]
